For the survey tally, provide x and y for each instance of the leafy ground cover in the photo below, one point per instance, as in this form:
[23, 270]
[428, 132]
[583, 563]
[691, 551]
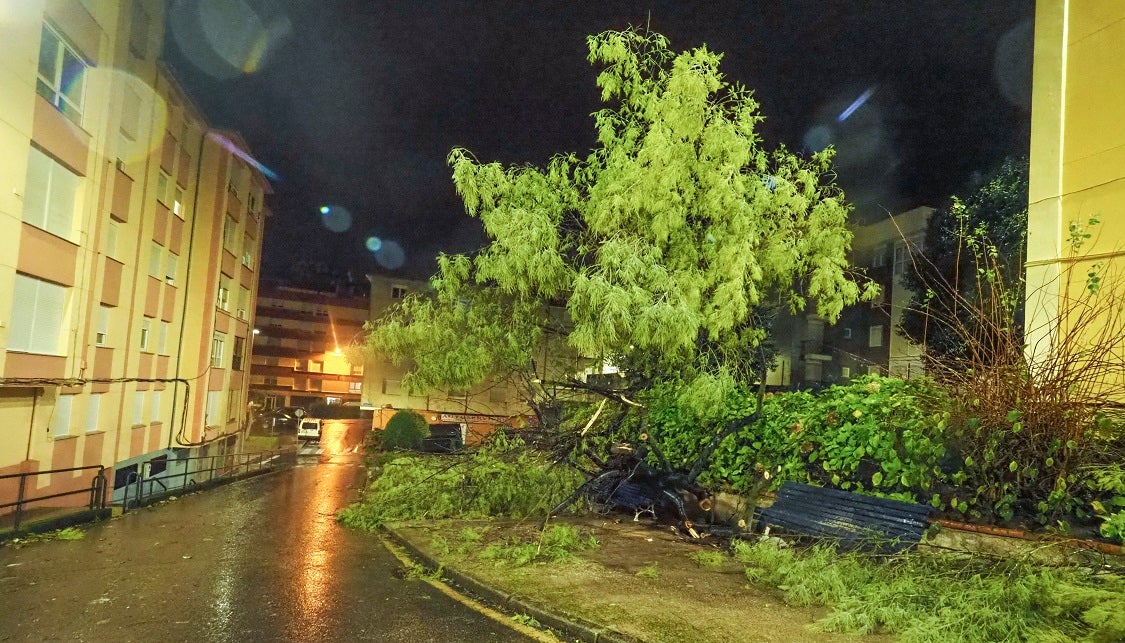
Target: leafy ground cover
[939, 597]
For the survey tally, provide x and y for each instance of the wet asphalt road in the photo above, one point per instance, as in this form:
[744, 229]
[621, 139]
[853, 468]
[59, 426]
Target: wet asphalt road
[257, 560]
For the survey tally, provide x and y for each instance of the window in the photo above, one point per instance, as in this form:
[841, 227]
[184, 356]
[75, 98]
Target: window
[845, 372]
[146, 332]
[879, 258]
[355, 387]
[234, 176]
[170, 268]
[61, 79]
[875, 336]
[879, 299]
[101, 330]
[223, 298]
[903, 251]
[178, 201]
[230, 228]
[243, 302]
[214, 408]
[154, 408]
[232, 404]
[139, 408]
[49, 197]
[60, 419]
[162, 181]
[236, 353]
[111, 239]
[357, 369]
[248, 252]
[316, 367]
[130, 117]
[847, 333]
[872, 369]
[155, 253]
[38, 309]
[93, 411]
[162, 338]
[218, 342]
[398, 292]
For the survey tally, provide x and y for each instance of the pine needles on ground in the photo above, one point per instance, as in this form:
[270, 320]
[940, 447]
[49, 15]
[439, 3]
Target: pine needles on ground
[922, 597]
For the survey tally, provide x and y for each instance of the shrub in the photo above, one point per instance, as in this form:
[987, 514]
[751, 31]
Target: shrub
[405, 430]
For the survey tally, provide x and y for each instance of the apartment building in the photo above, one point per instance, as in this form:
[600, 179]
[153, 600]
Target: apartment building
[128, 267]
[865, 339]
[303, 346]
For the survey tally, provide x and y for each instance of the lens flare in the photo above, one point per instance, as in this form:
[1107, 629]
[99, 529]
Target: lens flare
[856, 104]
[373, 243]
[226, 38]
[240, 153]
[144, 114]
[335, 217]
[390, 255]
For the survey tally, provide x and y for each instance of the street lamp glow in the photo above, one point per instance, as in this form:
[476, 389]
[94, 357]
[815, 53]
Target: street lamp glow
[325, 209]
[257, 331]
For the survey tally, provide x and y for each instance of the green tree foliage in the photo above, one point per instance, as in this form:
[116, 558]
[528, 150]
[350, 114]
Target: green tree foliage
[667, 239]
[969, 282]
[405, 430]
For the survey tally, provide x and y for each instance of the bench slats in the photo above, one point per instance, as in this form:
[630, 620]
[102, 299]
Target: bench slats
[854, 520]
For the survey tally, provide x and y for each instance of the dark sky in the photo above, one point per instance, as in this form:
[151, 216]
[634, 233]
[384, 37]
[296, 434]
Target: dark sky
[355, 104]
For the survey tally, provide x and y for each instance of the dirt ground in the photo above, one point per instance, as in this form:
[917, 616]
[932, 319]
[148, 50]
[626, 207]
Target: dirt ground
[675, 598]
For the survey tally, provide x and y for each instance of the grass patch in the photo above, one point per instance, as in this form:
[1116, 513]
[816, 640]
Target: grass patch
[502, 480]
[932, 597]
[648, 571]
[556, 544]
[708, 558]
[529, 621]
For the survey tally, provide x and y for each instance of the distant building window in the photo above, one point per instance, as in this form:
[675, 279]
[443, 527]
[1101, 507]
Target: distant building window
[49, 195]
[146, 333]
[170, 268]
[355, 387]
[230, 230]
[162, 338]
[162, 182]
[111, 239]
[62, 75]
[222, 298]
[154, 408]
[236, 353]
[38, 309]
[879, 258]
[60, 418]
[155, 254]
[101, 331]
[248, 252]
[398, 292]
[214, 408]
[875, 336]
[243, 302]
[178, 201]
[218, 343]
[139, 408]
[357, 369]
[93, 412]
[847, 333]
[904, 249]
[845, 372]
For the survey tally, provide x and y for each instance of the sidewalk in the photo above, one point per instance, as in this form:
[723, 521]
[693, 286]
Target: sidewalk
[640, 584]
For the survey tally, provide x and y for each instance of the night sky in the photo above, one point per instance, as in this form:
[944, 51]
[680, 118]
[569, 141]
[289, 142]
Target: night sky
[355, 105]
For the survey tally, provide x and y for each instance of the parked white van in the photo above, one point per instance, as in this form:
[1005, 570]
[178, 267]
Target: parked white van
[309, 429]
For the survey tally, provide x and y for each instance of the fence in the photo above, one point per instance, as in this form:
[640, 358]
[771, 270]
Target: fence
[96, 491]
[217, 468]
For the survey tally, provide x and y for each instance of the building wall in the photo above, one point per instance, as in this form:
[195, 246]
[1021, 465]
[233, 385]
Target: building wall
[104, 207]
[1077, 161]
[306, 347]
[865, 339]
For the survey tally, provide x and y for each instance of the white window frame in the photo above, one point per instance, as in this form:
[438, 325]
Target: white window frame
[60, 417]
[38, 311]
[101, 328]
[171, 265]
[155, 255]
[875, 336]
[93, 412]
[178, 201]
[162, 338]
[214, 407]
[50, 195]
[55, 89]
[222, 298]
[248, 252]
[154, 407]
[243, 308]
[218, 348]
[146, 334]
[139, 408]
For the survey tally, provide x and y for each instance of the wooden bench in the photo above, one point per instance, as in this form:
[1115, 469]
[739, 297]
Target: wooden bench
[852, 520]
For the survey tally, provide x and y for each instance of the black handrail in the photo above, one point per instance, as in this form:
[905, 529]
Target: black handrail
[97, 490]
[229, 465]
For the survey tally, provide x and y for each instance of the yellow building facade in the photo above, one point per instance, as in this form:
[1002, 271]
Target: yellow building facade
[1077, 170]
[130, 233]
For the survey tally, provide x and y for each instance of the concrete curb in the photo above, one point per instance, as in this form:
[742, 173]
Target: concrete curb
[581, 629]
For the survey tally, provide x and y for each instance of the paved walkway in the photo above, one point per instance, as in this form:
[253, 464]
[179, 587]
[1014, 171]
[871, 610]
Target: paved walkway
[258, 560]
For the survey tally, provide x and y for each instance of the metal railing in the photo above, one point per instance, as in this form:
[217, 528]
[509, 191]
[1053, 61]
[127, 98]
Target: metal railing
[227, 465]
[96, 490]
